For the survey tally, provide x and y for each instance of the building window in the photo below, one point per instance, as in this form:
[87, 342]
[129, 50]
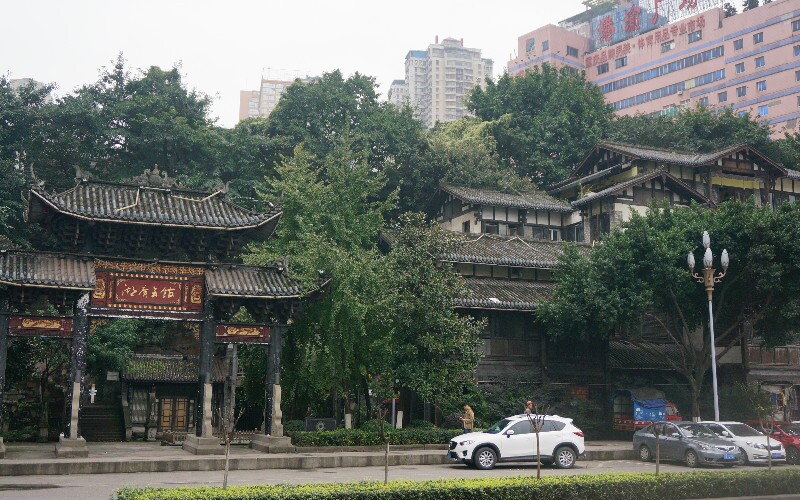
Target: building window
[760, 62]
[739, 68]
[546, 45]
[798, 101]
[620, 62]
[465, 227]
[738, 44]
[741, 91]
[722, 96]
[572, 51]
[758, 37]
[704, 102]
[742, 114]
[797, 50]
[797, 76]
[667, 46]
[796, 25]
[761, 86]
[602, 68]
[763, 110]
[695, 36]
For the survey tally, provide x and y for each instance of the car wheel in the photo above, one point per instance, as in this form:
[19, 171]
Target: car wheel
[744, 460]
[644, 453]
[691, 459]
[565, 457]
[485, 458]
[792, 456]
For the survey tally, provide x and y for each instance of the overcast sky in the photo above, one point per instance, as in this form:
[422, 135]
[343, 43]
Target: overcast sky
[226, 46]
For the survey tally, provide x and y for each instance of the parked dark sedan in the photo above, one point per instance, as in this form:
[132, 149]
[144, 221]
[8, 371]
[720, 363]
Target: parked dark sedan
[688, 442]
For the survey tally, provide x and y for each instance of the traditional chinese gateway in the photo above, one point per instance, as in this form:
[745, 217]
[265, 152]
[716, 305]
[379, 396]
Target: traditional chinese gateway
[148, 249]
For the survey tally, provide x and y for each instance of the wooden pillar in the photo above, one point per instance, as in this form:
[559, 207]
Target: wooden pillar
[274, 425]
[272, 440]
[203, 442]
[4, 315]
[70, 443]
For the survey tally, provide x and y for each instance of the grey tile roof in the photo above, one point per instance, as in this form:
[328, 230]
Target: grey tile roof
[55, 270]
[675, 157]
[535, 200]
[113, 202]
[493, 293]
[793, 174]
[250, 281]
[164, 368]
[626, 355]
[46, 269]
[668, 178]
[506, 251]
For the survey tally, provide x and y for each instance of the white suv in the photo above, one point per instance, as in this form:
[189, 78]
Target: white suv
[512, 439]
[751, 443]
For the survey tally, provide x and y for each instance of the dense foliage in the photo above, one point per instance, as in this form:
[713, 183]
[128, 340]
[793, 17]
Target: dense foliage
[368, 437]
[607, 486]
[639, 272]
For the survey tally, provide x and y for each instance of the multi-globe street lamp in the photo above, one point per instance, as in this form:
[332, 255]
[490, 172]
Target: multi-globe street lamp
[708, 279]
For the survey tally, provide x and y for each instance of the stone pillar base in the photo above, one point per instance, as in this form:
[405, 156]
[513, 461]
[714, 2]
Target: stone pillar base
[271, 444]
[71, 448]
[203, 445]
[2, 448]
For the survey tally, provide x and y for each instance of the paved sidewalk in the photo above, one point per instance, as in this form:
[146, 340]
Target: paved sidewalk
[39, 459]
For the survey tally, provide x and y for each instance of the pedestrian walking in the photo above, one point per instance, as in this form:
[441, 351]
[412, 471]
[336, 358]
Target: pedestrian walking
[468, 419]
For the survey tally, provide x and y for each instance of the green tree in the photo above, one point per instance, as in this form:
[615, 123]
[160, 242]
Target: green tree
[433, 350]
[320, 113]
[544, 121]
[332, 216]
[639, 271]
[749, 4]
[112, 345]
[699, 130]
[729, 9]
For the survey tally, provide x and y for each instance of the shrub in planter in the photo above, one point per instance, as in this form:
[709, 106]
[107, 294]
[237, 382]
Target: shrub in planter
[294, 425]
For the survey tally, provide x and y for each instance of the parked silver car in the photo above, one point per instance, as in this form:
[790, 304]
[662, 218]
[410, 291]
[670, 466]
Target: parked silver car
[688, 442]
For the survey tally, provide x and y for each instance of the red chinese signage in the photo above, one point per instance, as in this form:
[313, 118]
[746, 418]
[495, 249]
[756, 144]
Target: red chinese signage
[40, 326]
[146, 287]
[238, 334]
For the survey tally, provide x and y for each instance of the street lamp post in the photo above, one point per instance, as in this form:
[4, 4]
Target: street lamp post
[708, 279]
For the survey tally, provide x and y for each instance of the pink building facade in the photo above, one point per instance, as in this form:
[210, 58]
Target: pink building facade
[749, 62]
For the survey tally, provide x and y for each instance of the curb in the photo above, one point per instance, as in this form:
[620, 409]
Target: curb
[300, 460]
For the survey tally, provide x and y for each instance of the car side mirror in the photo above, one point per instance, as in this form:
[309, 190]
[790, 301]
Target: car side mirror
[676, 435]
[510, 432]
[776, 433]
[726, 434]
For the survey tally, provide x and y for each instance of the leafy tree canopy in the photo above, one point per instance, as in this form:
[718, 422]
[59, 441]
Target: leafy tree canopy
[544, 121]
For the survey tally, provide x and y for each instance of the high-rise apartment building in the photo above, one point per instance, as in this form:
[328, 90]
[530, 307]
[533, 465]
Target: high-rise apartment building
[261, 102]
[658, 56]
[398, 93]
[439, 79]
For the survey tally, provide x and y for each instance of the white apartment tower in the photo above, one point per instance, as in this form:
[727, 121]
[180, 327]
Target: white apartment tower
[440, 78]
[398, 93]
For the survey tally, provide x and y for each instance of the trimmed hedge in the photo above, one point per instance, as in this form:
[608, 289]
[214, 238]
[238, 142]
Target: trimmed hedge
[359, 437]
[672, 486]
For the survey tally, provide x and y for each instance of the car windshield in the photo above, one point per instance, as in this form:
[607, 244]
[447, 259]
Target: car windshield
[499, 426]
[697, 431]
[791, 429]
[742, 430]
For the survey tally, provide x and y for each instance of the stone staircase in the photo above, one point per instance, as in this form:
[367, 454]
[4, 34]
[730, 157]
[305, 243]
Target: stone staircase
[102, 422]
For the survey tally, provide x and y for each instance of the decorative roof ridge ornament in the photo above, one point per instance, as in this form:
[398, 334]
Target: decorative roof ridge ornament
[155, 178]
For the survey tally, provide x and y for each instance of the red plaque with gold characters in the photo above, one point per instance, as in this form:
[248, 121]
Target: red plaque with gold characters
[40, 326]
[242, 334]
[137, 288]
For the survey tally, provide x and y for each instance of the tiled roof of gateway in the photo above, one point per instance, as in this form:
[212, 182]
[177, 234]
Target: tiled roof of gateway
[46, 269]
[649, 356]
[161, 368]
[491, 293]
[535, 200]
[131, 203]
[250, 281]
[55, 270]
[669, 178]
[506, 251]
